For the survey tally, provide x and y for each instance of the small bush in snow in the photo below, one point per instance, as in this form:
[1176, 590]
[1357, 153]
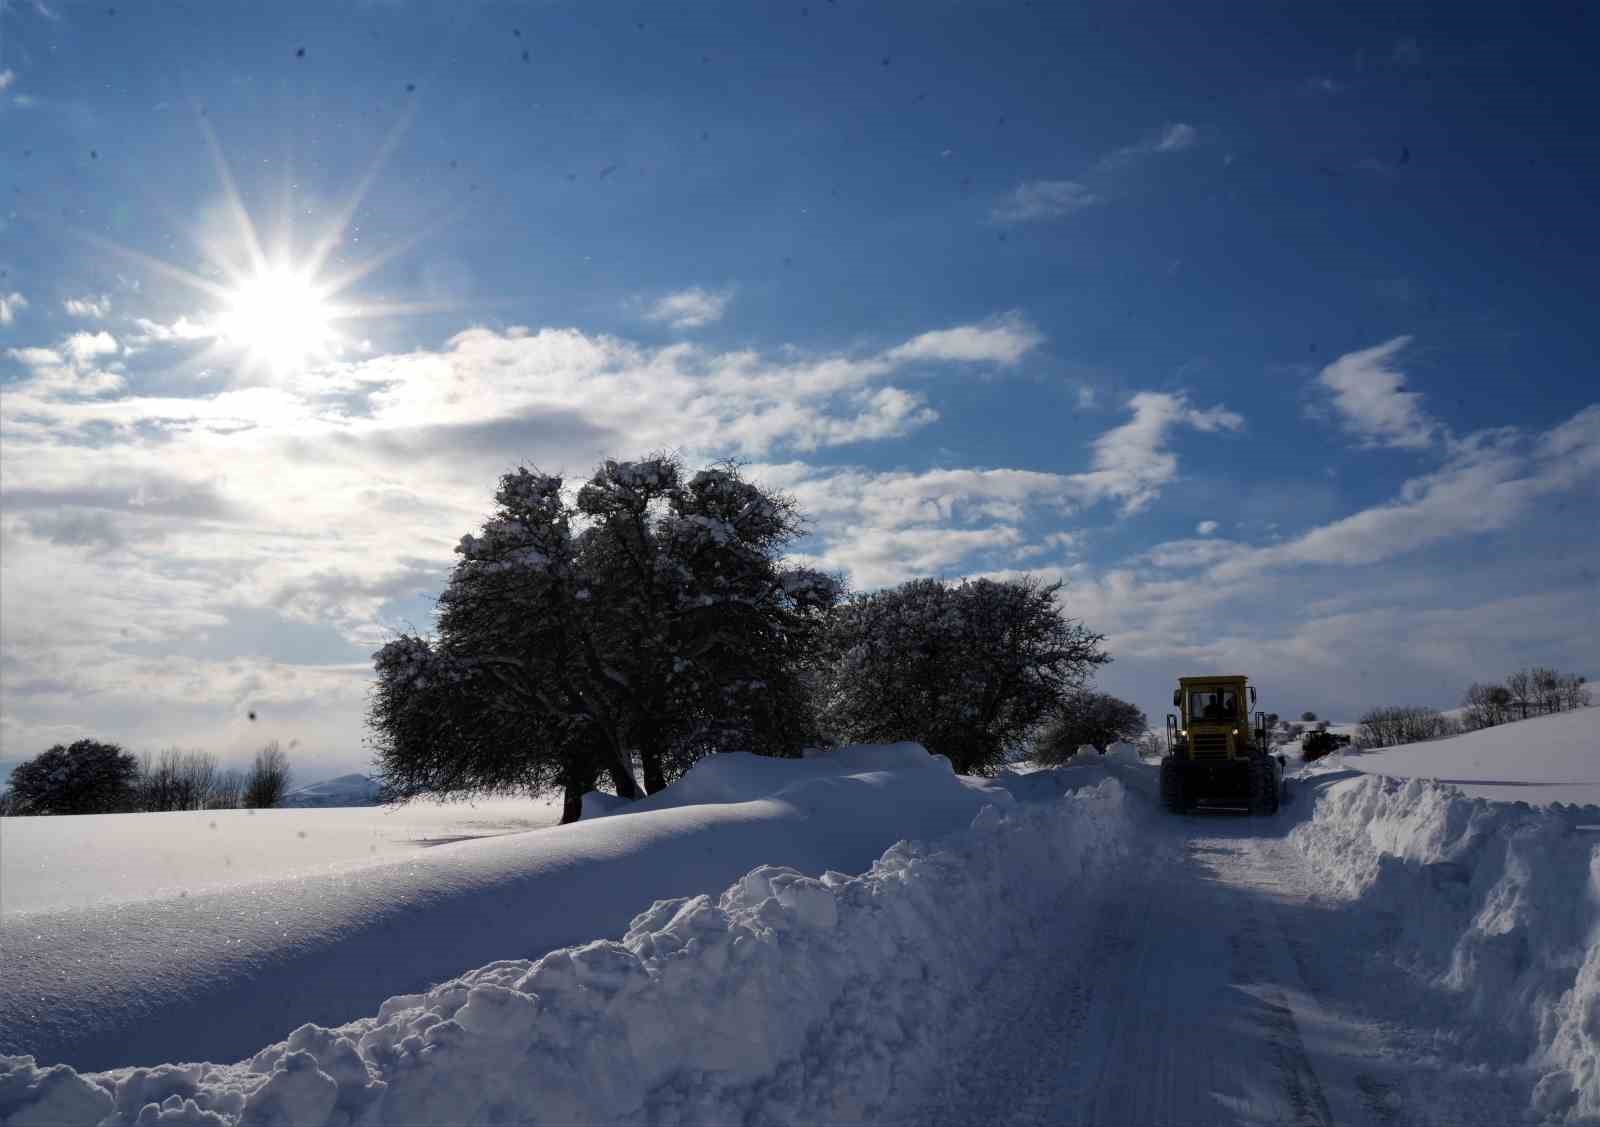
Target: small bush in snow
[1308, 717]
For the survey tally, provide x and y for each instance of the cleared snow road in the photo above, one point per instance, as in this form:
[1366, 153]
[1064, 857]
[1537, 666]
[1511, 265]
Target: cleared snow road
[1217, 989]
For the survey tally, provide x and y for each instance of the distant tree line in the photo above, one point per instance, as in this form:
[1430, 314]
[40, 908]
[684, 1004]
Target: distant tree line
[95, 777]
[1530, 692]
[651, 617]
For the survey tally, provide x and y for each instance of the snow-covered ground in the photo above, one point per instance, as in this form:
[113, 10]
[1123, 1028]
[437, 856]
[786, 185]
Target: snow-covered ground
[48, 864]
[1540, 760]
[1049, 948]
[159, 968]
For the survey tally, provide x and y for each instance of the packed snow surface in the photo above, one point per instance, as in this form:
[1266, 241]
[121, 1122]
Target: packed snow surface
[1541, 760]
[216, 970]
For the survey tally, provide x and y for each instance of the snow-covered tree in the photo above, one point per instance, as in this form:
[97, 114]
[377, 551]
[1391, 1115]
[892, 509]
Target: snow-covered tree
[649, 617]
[85, 777]
[969, 670]
[1098, 719]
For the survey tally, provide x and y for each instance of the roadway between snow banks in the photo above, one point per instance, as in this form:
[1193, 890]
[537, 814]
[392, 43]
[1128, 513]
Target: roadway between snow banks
[1215, 988]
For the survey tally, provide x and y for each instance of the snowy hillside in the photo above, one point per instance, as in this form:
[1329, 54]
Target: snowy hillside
[346, 790]
[1541, 760]
[1382, 952]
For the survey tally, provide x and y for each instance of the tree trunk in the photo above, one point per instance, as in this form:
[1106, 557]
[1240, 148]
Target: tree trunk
[571, 803]
[654, 779]
[623, 782]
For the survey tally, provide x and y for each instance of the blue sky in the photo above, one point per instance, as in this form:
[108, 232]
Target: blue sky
[1268, 330]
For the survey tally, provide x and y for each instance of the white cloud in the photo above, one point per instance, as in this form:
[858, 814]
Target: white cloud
[1004, 341]
[10, 305]
[1370, 398]
[1176, 137]
[153, 332]
[1086, 397]
[85, 347]
[1044, 199]
[69, 371]
[1131, 462]
[96, 308]
[7, 78]
[1207, 527]
[1173, 137]
[1322, 85]
[692, 308]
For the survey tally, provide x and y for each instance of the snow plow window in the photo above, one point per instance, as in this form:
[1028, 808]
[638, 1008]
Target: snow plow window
[1213, 704]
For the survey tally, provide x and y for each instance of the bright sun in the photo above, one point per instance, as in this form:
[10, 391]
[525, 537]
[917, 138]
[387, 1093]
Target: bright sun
[279, 317]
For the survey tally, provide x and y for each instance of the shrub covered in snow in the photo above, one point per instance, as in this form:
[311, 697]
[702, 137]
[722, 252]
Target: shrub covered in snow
[968, 670]
[1099, 719]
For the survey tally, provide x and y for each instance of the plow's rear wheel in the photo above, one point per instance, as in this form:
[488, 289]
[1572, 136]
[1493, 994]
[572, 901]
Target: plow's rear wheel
[1263, 786]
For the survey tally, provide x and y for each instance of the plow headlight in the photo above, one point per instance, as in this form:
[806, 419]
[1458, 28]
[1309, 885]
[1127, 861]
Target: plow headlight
[1183, 731]
[1236, 731]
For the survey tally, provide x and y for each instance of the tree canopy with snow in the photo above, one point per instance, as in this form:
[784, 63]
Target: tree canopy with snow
[85, 777]
[1097, 719]
[968, 670]
[647, 616]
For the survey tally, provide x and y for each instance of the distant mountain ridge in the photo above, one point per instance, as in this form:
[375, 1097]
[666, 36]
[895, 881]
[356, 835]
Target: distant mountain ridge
[345, 790]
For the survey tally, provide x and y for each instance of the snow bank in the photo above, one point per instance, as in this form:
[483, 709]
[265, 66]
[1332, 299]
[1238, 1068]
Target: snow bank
[674, 1023]
[219, 971]
[1497, 904]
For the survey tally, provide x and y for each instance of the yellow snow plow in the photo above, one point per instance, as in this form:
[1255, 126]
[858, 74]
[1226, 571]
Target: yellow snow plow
[1217, 755]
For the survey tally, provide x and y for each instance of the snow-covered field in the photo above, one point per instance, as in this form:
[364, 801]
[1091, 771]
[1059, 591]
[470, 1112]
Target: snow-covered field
[1541, 760]
[1382, 952]
[49, 864]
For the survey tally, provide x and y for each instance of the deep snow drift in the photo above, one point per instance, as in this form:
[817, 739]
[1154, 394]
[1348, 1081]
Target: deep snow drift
[1495, 904]
[1540, 760]
[217, 972]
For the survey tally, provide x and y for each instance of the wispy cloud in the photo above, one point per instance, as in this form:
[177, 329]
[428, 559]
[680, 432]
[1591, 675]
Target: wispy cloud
[7, 78]
[1004, 341]
[1173, 137]
[1131, 463]
[1207, 527]
[95, 308]
[10, 305]
[1369, 397]
[1322, 85]
[692, 308]
[1035, 200]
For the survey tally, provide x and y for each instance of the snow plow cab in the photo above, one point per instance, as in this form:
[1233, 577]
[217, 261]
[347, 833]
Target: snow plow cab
[1217, 754]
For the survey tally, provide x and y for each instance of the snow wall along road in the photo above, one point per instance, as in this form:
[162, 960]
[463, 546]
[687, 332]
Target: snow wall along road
[1496, 904]
[787, 998]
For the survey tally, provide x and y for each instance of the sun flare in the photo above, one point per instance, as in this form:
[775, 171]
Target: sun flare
[279, 317]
